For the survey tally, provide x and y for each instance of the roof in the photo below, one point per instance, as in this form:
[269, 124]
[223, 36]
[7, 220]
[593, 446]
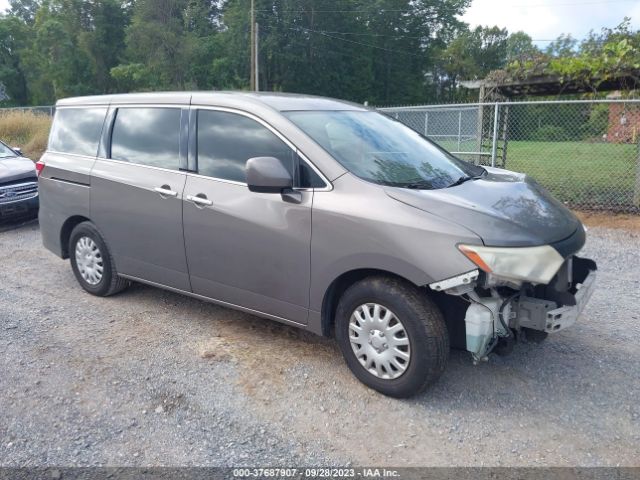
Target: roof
[277, 101]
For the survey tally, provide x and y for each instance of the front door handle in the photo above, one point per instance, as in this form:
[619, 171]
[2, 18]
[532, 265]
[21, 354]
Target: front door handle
[165, 191]
[200, 200]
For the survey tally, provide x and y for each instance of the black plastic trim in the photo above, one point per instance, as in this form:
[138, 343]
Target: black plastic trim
[562, 288]
[184, 139]
[72, 182]
[104, 147]
[192, 162]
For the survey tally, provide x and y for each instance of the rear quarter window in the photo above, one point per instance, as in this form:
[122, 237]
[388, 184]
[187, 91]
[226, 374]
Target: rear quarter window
[77, 130]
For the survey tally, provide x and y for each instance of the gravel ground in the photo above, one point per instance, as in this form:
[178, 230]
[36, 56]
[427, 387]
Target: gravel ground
[153, 378]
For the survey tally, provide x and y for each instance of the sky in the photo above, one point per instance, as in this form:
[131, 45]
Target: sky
[544, 20]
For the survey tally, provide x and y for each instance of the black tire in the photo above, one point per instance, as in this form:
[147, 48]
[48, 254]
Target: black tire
[422, 321]
[110, 283]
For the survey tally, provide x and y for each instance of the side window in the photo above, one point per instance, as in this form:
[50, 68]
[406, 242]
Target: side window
[147, 136]
[77, 130]
[227, 140]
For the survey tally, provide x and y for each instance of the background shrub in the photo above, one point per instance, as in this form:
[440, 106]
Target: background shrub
[27, 130]
[550, 133]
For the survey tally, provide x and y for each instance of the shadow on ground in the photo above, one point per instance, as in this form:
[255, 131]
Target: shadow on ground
[6, 225]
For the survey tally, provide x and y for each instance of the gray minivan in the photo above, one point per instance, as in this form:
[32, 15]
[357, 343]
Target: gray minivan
[314, 212]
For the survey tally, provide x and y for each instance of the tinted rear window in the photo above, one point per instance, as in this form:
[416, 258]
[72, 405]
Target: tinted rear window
[147, 136]
[77, 130]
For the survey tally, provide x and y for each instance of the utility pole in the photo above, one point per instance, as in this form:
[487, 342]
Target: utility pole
[252, 20]
[256, 61]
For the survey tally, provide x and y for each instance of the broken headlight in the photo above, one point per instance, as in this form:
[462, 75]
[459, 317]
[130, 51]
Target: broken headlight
[528, 264]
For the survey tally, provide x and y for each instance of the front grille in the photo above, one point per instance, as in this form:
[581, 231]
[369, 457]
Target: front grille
[18, 192]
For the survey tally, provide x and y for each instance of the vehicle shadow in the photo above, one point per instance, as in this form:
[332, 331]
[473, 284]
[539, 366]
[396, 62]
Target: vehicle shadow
[14, 224]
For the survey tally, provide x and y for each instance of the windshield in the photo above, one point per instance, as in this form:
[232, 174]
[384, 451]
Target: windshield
[381, 150]
[6, 151]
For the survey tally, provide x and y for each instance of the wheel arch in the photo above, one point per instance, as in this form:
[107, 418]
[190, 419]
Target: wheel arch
[339, 285]
[65, 232]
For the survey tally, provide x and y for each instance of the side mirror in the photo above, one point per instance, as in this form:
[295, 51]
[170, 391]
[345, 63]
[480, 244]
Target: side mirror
[267, 175]
[18, 150]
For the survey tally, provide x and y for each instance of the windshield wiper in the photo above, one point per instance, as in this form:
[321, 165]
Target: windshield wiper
[423, 184]
[463, 179]
[416, 185]
[460, 181]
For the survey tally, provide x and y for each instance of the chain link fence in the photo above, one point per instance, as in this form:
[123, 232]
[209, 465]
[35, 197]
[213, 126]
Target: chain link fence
[587, 153]
[41, 109]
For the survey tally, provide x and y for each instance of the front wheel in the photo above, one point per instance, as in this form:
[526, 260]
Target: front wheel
[392, 336]
[92, 263]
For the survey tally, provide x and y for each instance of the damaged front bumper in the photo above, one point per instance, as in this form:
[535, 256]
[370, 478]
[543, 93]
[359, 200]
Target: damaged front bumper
[563, 317]
[498, 312]
[551, 317]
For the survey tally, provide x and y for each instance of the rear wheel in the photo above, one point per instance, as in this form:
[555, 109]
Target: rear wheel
[393, 337]
[92, 263]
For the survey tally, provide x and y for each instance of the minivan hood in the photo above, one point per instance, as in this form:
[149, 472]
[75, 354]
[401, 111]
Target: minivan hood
[16, 168]
[503, 208]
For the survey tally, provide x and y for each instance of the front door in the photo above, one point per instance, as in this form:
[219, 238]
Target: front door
[245, 248]
[136, 195]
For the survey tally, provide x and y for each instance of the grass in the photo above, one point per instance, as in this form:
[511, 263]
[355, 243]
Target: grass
[27, 130]
[582, 174]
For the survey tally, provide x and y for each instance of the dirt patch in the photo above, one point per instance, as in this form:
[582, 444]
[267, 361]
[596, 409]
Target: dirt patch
[610, 220]
[265, 350]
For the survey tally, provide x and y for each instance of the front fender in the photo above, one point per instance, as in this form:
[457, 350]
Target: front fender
[357, 226]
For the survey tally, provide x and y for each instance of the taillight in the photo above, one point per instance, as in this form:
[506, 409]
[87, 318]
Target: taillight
[39, 167]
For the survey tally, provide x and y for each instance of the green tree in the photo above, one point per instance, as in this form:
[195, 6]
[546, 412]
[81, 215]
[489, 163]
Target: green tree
[172, 39]
[613, 54]
[520, 47]
[154, 39]
[299, 47]
[14, 34]
[471, 55]
[380, 50]
[383, 51]
[69, 47]
[57, 66]
[202, 21]
[563, 46]
[103, 42]
[24, 10]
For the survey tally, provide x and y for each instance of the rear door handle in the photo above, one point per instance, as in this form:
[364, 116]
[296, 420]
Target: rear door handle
[165, 190]
[200, 199]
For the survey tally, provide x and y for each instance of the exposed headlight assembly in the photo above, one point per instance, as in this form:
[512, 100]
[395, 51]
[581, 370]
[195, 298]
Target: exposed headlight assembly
[529, 264]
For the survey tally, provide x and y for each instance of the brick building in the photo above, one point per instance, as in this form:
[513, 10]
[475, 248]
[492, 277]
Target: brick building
[624, 122]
